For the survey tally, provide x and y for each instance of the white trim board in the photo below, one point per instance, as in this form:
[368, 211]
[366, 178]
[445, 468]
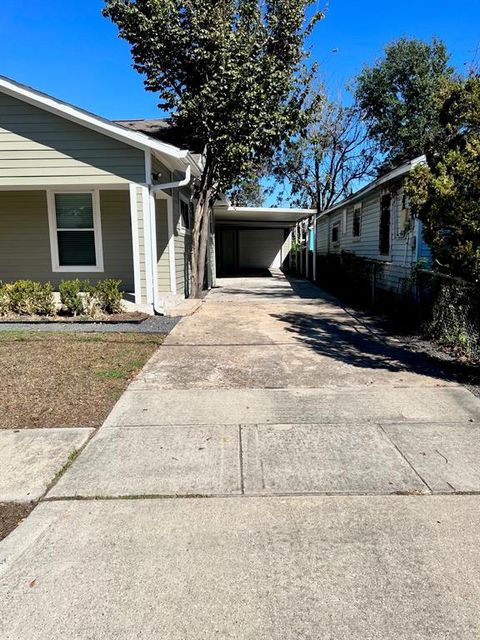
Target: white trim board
[135, 244]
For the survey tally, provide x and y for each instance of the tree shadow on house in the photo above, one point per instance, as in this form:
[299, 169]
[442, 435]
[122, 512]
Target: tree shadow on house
[346, 340]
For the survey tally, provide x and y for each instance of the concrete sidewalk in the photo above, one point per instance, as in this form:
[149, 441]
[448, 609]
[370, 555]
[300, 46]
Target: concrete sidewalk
[329, 461]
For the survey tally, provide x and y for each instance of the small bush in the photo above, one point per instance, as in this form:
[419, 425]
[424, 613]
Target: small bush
[71, 295]
[108, 296]
[4, 301]
[25, 297]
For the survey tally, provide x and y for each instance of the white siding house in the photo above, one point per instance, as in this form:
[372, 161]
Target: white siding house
[376, 223]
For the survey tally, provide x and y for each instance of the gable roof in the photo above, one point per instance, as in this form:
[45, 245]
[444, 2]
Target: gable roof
[92, 121]
[400, 171]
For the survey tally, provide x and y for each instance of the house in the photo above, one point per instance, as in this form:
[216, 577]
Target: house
[85, 197]
[375, 224]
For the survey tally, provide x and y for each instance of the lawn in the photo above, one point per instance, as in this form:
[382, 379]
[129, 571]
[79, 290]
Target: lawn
[67, 379]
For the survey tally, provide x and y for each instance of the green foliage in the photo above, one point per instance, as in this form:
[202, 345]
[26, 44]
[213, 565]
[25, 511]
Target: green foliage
[25, 297]
[400, 97]
[108, 296]
[231, 73]
[4, 301]
[445, 194]
[70, 295]
[227, 71]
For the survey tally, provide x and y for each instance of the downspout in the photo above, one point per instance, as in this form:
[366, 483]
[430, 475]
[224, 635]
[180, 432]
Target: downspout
[154, 189]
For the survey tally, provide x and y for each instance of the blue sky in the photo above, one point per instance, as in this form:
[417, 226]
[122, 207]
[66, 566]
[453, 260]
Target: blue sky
[67, 49]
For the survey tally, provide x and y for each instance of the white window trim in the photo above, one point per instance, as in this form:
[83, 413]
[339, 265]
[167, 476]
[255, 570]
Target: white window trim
[97, 230]
[181, 229]
[357, 207]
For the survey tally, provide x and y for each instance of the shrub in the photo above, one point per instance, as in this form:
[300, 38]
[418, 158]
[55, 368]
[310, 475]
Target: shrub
[26, 297]
[108, 296]
[71, 295]
[4, 301]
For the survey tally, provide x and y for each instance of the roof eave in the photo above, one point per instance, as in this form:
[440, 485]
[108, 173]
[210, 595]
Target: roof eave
[89, 120]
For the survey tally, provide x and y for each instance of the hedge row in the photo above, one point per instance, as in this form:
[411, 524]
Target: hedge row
[29, 298]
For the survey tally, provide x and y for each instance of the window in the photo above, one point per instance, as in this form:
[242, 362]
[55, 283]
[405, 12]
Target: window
[185, 214]
[357, 221]
[335, 232]
[384, 231]
[75, 234]
[344, 222]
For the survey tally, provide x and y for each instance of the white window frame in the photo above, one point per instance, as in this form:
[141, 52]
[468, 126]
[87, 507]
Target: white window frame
[182, 229]
[97, 232]
[357, 207]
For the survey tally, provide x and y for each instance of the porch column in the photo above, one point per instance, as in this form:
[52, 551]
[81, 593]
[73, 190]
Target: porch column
[136, 202]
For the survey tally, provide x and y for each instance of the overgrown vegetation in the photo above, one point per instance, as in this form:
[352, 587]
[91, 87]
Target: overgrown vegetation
[445, 194]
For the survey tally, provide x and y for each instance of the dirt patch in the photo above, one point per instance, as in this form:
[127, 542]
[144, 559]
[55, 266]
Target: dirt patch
[11, 514]
[65, 379]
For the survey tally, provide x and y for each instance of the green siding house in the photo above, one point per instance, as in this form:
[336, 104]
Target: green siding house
[81, 196]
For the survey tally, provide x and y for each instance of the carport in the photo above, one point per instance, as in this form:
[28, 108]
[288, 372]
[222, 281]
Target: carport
[254, 239]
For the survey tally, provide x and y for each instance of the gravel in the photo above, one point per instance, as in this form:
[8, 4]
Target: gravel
[155, 324]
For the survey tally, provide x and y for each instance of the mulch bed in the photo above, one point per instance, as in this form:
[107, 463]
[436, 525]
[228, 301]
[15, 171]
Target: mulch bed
[67, 379]
[11, 514]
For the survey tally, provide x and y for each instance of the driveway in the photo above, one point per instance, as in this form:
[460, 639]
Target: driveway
[279, 469]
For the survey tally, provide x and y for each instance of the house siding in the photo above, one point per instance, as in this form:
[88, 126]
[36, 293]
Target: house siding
[40, 148]
[395, 268]
[25, 242]
[163, 265]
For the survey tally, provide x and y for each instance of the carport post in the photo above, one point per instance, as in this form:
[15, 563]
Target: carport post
[314, 247]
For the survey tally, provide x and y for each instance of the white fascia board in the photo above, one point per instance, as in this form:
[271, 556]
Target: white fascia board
[305, 212]
[89, 120]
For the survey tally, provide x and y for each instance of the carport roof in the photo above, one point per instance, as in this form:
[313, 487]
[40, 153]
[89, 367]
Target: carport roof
[260, 214]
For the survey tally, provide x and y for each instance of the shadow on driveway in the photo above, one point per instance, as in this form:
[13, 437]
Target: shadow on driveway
[358, 347]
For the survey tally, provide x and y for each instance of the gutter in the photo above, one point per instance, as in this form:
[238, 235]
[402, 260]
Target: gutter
[153, 190]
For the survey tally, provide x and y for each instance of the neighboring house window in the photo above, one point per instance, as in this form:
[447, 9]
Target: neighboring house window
[185, 214]
[335, 233]
[357, 221]
[344, 222]
[75, 233]
[384, 233]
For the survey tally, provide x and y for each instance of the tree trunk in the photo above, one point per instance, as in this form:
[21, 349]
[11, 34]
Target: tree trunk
[206, 195]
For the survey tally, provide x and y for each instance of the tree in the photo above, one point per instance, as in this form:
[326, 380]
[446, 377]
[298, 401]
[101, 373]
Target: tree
[445, 193]
[399, 97]
[229, 71]
[322, 165]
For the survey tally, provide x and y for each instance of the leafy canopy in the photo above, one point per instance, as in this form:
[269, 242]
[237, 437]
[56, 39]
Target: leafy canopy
[445, 194]
[399, 97]
[230, 71]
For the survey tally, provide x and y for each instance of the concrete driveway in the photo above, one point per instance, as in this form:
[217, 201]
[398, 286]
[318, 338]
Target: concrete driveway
[277, 470]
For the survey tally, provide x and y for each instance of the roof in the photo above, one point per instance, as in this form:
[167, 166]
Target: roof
[400, 171]
[260, 214]
[109, 128]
